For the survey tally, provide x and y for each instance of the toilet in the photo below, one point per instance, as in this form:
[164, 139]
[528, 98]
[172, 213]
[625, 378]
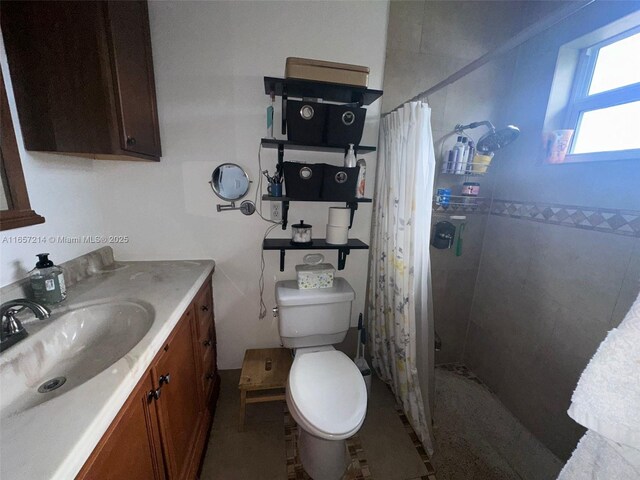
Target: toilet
[326, 394]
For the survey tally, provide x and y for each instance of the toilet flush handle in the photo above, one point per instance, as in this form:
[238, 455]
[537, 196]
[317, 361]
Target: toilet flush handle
[275, 311]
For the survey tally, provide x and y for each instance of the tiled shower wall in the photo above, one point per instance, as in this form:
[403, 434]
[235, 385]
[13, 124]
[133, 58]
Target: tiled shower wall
[426, 42]
[556, 262]
[560, 261]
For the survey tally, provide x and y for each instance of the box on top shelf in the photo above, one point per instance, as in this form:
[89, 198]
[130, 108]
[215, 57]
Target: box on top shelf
[322, 71]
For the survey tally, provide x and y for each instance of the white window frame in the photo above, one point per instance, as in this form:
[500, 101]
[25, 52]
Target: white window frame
[581, 101]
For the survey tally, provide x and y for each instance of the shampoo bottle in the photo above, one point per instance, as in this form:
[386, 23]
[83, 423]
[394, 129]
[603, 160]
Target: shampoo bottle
[470, 157]
[458, 148]
[448, 162]
[462, 164]
[47, 281]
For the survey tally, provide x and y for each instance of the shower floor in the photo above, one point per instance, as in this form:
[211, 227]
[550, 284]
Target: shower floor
[477, 438]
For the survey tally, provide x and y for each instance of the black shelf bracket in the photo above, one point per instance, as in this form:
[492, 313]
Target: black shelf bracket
[342, 257]
[353, 206]
[285, 214]
[280, 159]
[284, 244]
[284, 112]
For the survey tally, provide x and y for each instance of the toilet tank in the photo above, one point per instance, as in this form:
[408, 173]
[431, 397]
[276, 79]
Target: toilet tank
[312, 317]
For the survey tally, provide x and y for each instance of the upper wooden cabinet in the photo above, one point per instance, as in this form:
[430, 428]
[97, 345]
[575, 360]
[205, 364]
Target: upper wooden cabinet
[82, 75]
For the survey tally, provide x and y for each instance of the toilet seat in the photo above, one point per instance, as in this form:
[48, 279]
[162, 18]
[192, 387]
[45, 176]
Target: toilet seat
[327, 394]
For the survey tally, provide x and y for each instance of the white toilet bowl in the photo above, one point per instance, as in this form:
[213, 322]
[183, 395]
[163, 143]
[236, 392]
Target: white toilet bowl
[327, 397]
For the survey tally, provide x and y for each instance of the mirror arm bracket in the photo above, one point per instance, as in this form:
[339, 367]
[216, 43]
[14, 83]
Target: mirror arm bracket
[247, 207]
[223, 208]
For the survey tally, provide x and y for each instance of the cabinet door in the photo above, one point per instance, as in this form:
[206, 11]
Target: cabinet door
[207, 341]
[180, 401]
[131, 447]
[130, 44]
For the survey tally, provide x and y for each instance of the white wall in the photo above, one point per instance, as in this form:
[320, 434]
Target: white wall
[209, 60]
[60, 189]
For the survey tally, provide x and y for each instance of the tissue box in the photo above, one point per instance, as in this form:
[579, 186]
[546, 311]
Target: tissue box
[315, 276]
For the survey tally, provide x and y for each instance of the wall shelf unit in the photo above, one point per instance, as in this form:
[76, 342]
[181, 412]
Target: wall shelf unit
[305, 147]
[281, 145]
[328, 92]
[351, 204]
[284, 244]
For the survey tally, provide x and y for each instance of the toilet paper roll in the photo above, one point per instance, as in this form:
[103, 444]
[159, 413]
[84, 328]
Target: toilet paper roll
[339, 216]
[337, 235]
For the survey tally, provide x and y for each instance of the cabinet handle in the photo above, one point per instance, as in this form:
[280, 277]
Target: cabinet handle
[131, 141]
[204, 308]
[164, 379]
[154, 394]
[207, 343]
[210, 376]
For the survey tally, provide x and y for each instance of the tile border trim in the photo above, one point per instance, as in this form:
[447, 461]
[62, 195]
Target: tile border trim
[417, 444]
[605, 220]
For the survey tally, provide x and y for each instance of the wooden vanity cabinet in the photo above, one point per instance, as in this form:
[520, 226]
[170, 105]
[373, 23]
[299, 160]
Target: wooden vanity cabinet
[179, 399]
[131, 446]
[82, 75]
[206, 334]
[162, 429]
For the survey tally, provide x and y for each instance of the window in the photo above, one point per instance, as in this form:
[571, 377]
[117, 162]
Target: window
[604, 109]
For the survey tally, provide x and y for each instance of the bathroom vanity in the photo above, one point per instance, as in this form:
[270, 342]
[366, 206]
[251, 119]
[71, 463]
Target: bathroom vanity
[138, 409]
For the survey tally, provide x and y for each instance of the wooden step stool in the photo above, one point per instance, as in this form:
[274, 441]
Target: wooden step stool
[264, 377]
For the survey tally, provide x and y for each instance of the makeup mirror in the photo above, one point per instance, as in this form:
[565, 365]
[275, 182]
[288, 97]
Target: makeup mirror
[230, 182]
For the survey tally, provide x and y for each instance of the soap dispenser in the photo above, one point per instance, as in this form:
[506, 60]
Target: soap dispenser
[47, 281]
[350, 157]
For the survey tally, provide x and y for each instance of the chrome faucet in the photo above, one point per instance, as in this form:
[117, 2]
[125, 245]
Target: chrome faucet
[11, 330]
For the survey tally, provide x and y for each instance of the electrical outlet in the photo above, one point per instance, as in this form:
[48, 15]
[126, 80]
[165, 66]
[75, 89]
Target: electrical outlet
[276, 211]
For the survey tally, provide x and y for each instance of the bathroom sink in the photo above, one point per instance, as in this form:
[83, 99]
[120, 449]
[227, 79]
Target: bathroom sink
[76, 346]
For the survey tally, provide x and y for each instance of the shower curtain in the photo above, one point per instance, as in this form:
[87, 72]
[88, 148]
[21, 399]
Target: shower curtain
[399, 301]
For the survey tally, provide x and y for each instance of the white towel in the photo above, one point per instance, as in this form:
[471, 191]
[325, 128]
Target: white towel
[607, 398]
[596, 458]
[607, 402]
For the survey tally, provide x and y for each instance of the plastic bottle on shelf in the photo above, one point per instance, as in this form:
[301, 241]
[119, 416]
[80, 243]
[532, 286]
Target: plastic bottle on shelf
[350, 158]
[458, 148]
[465, 153]
[470, 157]
[362, 173]
[462, 163]
[448, 163]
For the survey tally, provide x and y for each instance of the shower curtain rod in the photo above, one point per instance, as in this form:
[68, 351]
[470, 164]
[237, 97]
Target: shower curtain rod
[515, 41]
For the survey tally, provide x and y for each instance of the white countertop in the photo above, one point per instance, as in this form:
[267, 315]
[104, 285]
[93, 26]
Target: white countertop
[54, 439]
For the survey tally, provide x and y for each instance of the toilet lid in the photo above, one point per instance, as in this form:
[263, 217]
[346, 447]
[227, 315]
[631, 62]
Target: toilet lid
[329, 391]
